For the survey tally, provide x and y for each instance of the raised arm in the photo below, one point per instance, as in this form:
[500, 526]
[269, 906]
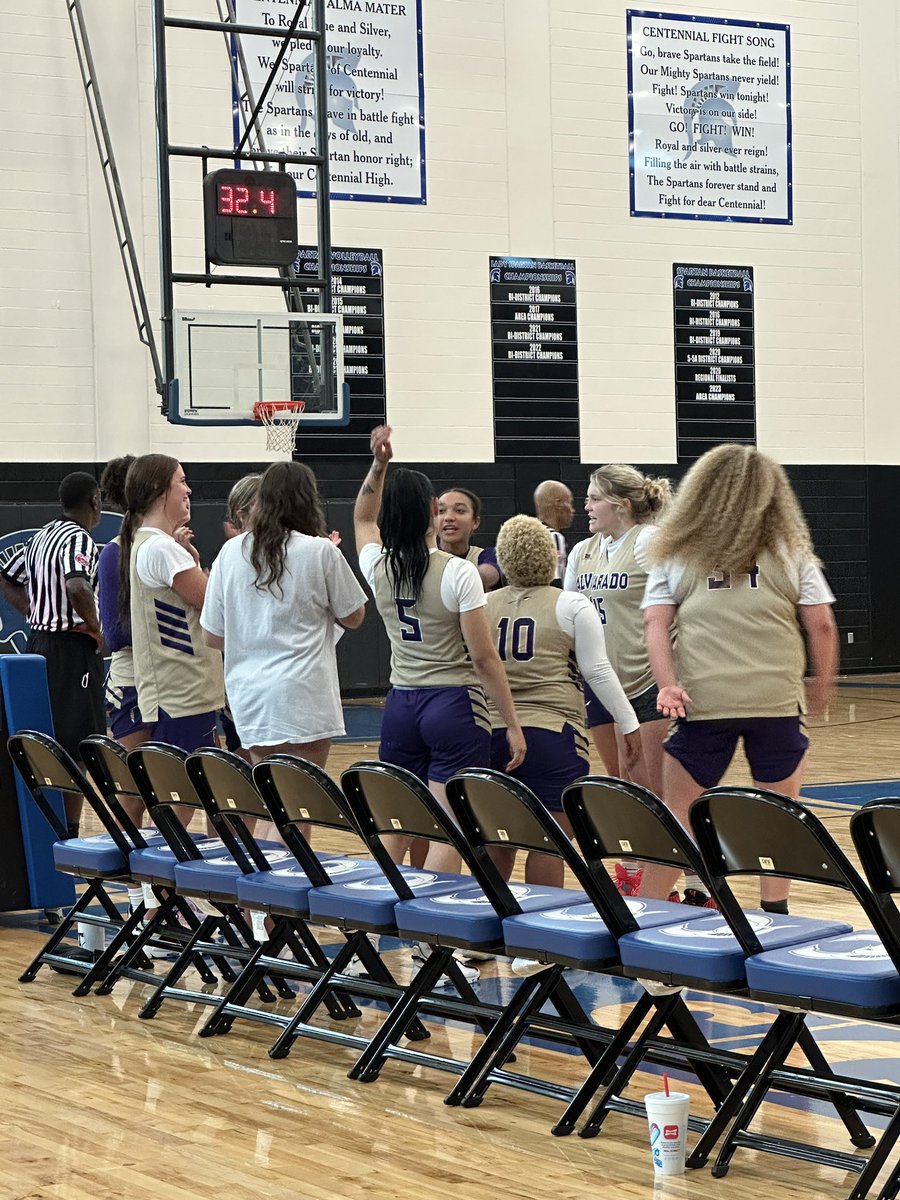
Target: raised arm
[368, 502]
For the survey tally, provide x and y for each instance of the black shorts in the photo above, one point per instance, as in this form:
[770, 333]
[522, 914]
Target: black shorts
[75, 682]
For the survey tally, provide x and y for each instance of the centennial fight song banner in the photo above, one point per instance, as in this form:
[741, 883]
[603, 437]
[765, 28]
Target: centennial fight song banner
[376, 106]
[709, 113]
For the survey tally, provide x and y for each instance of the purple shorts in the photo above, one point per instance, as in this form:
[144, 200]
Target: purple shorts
[435, 732]
[774, 747]
[123, 716]
[553, 761]
[188, 733]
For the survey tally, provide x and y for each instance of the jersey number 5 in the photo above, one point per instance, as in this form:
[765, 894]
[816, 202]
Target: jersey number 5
[411, 630]
[521, 643]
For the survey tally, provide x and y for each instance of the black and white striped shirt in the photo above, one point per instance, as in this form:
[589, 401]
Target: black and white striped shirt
[61, 550]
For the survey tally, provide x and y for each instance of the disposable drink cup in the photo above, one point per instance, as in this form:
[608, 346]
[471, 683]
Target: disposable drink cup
[667, 1117]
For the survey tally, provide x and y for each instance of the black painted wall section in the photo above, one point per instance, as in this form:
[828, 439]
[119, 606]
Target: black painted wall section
[850, 510]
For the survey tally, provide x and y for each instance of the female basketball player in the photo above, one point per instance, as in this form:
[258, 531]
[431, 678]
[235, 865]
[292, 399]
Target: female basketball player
[161, 592]
[459, 515]
[610, 567]
[274, 597]
[432, 604]
[737, 568]
[541, 633]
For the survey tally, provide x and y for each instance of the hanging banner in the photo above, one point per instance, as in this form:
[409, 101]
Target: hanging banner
[709, 117]
[715, 366]
[534, 352]
[376, 95]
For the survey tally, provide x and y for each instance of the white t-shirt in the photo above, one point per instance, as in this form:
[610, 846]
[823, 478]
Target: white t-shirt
[159, 559]
[578, 618]
[280, 666]
[663, 580]
[461, 586]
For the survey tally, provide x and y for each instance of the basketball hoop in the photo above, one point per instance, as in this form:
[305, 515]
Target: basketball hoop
[281, 419]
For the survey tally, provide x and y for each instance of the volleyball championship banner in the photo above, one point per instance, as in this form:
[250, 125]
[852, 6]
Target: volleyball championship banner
[376, 95]
[709, 118]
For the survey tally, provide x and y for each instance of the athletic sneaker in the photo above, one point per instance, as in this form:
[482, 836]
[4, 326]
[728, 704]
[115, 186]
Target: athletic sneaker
[421, 951]
[474, 956]
[698, 899]
[673, 897]
[628, 882]
[526, 966]
[78, 954]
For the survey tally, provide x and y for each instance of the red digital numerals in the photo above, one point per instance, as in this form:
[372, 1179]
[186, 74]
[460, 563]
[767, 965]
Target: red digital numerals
[234, 201]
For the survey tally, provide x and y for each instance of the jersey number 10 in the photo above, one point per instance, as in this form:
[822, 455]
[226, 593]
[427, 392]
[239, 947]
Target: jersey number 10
[520, 638]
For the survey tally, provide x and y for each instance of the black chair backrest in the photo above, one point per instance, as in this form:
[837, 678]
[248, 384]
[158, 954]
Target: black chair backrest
[224, 783]
[875, 829]
[44, 764]
[494, 809]
[748, 831]
[160, 773]
[390, 800]
[106, 763]
[297, 792]
[612, 819]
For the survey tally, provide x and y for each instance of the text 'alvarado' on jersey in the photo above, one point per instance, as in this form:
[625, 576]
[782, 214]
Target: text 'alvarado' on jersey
[588, 581]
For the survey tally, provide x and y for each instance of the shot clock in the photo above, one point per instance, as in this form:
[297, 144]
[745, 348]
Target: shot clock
[250, 218]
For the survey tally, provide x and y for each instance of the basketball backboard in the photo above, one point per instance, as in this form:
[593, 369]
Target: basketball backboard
[225, 362]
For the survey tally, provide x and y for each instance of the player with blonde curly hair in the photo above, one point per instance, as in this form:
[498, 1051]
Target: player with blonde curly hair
[736, 566]
[542, 635]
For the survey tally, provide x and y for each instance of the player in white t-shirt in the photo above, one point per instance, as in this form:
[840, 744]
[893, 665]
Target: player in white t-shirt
[442, 657]
[737, 568]
[162, 587]
[274, 597]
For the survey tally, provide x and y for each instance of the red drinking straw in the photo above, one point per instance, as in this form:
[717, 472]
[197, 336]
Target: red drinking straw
[666, 1083]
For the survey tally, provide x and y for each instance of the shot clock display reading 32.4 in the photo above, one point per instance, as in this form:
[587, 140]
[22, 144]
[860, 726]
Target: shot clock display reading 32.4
[250, 217]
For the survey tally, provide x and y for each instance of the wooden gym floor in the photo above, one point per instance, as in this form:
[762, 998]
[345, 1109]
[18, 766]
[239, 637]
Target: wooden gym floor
[98, 1105]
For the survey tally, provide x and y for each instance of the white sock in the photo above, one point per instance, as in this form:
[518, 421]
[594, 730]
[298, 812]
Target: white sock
[149, 898]
[135, 897]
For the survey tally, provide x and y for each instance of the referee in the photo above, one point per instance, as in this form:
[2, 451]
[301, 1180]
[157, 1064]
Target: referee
[51, 581]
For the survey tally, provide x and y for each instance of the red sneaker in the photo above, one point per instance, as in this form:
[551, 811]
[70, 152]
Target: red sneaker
[698, 899]
[628, 882]
[673, 897]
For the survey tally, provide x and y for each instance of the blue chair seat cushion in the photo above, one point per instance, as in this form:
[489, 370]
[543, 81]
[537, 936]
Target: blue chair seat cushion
[853, 969]
[286, 888]
[577, 932]
[706, 951]
[370, 902]
[467, 917]
[97, 855]
[218, 874]
[156, 864]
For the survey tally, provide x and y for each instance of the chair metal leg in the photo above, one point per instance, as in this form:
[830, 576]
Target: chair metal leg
[716, 1081]
[605, 1065]
[790, 1031]
[100, 968]
[64, 927]
[632, 1061]
[367, 1068]
[505, 1034]
[876, 1161]
[859, 1134]
[756, 1064]
[281, 1048]
[220, 1021]
[377, 971]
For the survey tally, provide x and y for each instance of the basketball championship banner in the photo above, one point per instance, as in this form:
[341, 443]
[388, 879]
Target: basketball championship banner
[709, 118]
[715, 365]
[534, 354]
[376, 95]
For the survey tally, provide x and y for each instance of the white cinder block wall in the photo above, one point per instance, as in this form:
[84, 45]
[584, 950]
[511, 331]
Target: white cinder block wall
[526, 114]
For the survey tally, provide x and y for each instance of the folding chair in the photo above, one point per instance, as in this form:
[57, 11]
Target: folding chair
[161, 776]
[44, 764]
[580, 931]
[609, 818]
[273, 884]
[461, 912]
[751, 832]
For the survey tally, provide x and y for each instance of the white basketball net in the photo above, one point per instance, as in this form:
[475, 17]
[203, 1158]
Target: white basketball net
[281, 428]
